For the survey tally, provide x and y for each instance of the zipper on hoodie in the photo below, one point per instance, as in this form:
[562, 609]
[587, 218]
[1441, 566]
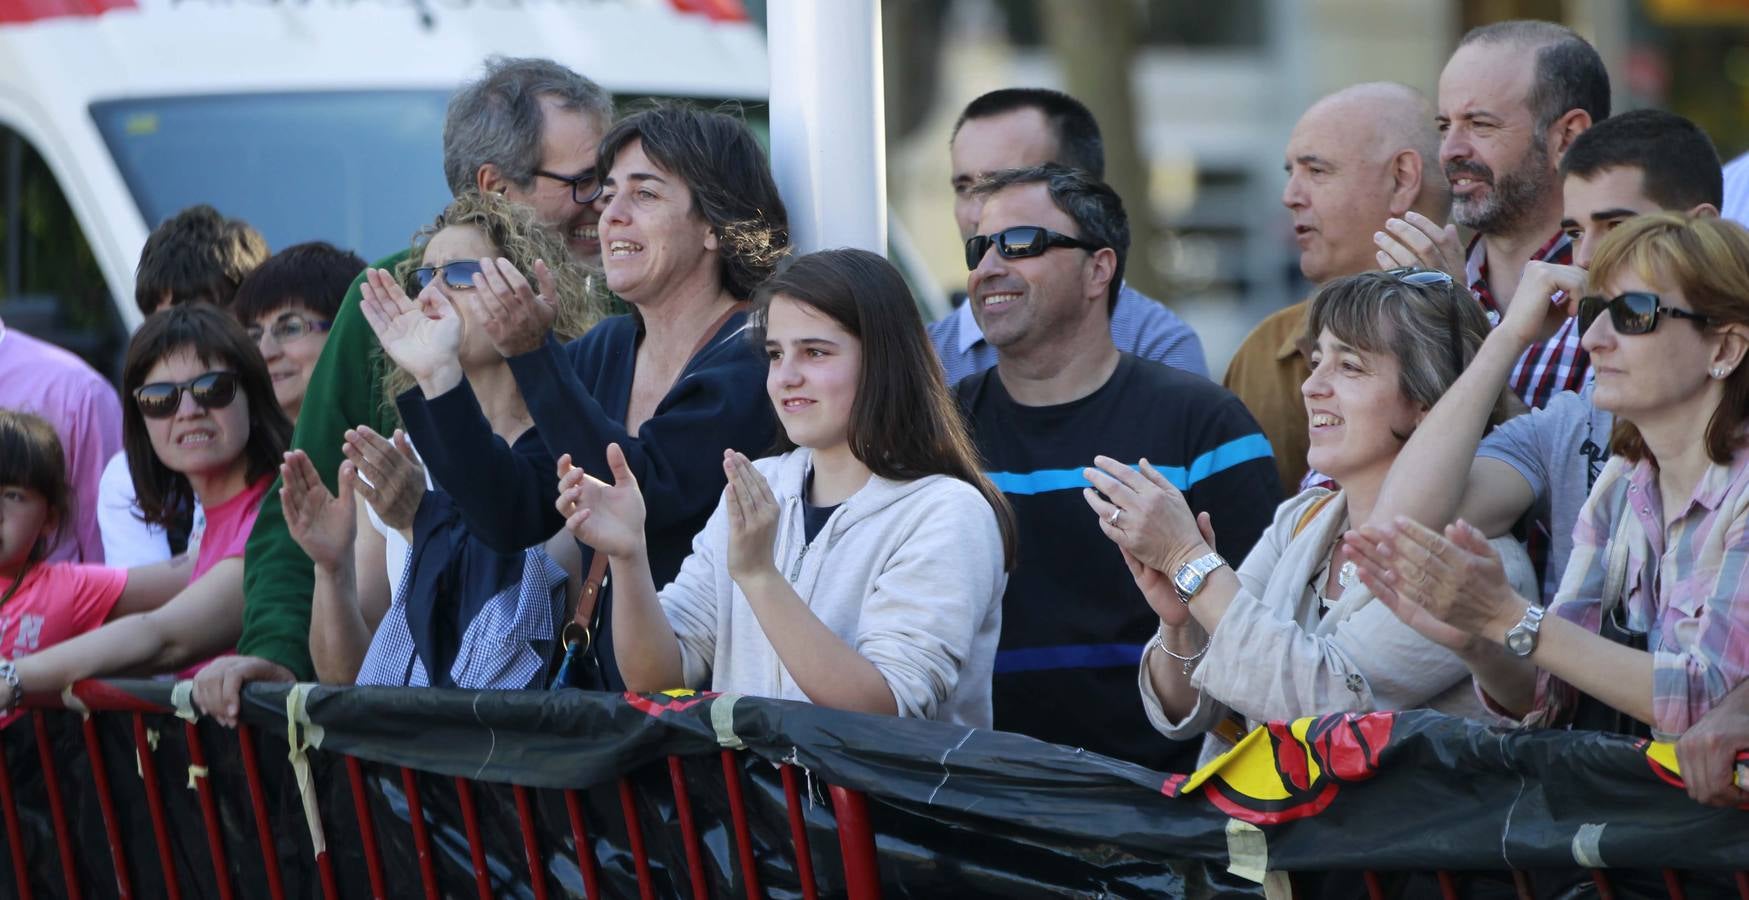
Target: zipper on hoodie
[795, 571]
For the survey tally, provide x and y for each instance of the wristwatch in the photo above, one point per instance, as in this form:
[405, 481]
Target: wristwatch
[1190, 577]
[1521, 639]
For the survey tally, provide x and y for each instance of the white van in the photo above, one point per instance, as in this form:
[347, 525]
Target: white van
[310, 119]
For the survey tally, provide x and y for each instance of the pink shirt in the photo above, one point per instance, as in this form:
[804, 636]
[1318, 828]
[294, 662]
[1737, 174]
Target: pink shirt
[38, 377]
[55, 602]
[226, 535]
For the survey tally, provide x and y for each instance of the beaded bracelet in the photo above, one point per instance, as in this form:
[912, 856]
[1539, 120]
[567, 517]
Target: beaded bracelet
[10, 672]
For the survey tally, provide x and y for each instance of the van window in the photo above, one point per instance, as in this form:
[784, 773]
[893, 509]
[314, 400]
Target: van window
[50, 284]
[360, 169]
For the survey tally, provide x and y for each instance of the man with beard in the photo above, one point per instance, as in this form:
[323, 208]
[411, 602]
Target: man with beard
[1511, 100]
[528, 129]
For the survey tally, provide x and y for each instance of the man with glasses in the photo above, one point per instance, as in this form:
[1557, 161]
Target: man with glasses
[528, 129]
[1542, 464]
[1047, 260]
[1018, 127]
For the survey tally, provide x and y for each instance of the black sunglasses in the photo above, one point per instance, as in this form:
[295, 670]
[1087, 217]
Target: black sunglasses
[584, 185]
[458, 274]
[1020, 242]
[1635, 312]
[1417, 277]
[161, 399]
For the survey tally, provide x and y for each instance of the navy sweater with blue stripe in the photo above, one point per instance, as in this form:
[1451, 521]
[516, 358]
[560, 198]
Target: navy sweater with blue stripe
[1073, 621]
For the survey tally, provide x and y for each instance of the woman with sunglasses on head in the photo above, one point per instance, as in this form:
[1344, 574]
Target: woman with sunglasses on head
[200, 423]
[405, 594]
[691, 222]
[1661, 547]
[863, 568]
[1291, 632]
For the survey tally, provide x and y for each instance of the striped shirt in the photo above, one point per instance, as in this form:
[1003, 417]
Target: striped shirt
[1140, 326]
[1547, 367]
[1687, 587]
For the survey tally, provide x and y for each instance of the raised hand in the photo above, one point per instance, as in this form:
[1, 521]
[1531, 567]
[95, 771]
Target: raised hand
[423, 336]
[1144, 514]
[1419, 242]
[1450, 588]
[515, 316]
[394, 481]
[323, 525]
[752, 520]
[1541, 285]
[607, 517]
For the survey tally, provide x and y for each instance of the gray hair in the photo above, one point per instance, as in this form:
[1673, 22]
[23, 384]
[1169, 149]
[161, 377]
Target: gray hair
[1433, 331]
[497, 119]
[1096, 208]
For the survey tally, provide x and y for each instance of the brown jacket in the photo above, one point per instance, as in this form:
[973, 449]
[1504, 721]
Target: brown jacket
[1266, 372]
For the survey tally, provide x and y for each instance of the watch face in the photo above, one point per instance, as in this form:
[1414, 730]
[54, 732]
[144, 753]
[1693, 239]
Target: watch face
[1187, 582]
[1521, 641]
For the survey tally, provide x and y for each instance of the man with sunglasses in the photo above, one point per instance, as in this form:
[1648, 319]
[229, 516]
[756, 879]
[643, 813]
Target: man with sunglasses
[1015, 128]
[1543, 464]
[1047, 258]
[527, 129]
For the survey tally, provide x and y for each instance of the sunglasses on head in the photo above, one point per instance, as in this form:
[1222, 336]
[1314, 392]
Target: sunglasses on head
[1635, 312]
[458, 275]
[1020, 242]
[161, 399]
[1418, 277]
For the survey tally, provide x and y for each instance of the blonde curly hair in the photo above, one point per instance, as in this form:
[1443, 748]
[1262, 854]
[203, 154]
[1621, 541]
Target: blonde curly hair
[522, 239]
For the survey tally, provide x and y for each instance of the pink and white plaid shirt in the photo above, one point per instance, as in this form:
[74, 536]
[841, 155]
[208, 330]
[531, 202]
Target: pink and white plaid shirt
[1687, 587]
[1547, 367]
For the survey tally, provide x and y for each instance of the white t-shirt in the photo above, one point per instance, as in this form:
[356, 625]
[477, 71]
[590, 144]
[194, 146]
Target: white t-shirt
[128, 541]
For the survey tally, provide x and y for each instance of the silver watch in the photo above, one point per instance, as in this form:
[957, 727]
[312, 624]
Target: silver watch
[1521, 639]
[1190, 577]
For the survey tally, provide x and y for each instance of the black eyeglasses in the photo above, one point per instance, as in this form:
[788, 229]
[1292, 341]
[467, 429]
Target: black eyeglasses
[584, 185]
[1417, 277]
[288, 328]
[161, 399]
[458, 274]
[1020, 242]
[1635, 312]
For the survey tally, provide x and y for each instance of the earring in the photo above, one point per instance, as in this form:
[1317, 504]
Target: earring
[1720, 372]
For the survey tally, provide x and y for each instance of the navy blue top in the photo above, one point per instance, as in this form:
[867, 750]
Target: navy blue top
[578, 395]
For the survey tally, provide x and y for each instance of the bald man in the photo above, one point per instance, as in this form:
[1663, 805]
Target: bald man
[1357, 158]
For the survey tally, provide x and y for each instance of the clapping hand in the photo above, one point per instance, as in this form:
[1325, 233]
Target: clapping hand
[325, 526]
[394, 481]
[607, 517]
[515, 316]
[423, 336]
[1451, 587]
[752, 520]
[1415, 241]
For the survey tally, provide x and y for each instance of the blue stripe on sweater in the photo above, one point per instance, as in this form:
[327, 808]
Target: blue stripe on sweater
[1226, 456]
[1076, 656]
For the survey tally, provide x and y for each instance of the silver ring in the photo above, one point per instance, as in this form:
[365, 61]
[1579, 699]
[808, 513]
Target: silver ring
[1113, 520]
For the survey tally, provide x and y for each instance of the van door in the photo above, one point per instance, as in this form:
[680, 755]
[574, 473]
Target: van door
[50, 284]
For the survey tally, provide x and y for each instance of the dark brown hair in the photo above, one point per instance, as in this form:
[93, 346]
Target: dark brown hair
[196, 256]
[218, 340]
[900, 381]
[724, 167]
[1707, 259]
[30, 457]
[314, 275]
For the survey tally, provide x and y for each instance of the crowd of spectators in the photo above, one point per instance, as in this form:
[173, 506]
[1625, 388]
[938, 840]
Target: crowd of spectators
[1506, 479]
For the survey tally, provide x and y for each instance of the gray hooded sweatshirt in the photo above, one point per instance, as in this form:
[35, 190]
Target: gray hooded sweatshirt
[909, 573]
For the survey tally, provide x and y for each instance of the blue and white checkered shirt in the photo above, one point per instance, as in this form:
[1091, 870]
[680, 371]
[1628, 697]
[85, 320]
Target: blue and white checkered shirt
[1139, 325]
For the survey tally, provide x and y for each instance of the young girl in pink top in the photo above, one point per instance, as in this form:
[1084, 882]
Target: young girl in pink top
[199, 422]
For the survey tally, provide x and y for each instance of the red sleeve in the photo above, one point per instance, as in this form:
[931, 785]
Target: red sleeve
[96, 588]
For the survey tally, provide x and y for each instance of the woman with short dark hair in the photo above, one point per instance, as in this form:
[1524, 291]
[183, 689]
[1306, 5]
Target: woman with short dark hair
[690, 221]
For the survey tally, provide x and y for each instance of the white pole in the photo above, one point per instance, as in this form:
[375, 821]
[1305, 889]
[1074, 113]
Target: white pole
[828, 121]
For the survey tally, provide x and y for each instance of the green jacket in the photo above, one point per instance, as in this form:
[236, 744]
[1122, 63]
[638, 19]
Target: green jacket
[345, 391]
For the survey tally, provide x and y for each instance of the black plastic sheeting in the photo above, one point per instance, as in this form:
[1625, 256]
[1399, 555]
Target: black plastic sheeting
[956, 812]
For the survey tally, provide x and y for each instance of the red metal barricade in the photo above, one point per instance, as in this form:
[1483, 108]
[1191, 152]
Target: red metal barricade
[687, 869]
